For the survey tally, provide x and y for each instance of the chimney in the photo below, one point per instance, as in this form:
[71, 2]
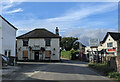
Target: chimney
[57, 31]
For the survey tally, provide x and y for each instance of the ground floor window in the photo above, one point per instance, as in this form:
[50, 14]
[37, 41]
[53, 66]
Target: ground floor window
[47, 54]
[25, 54]
[5, 53]
[9, 53]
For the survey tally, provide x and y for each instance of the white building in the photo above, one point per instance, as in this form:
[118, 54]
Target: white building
[7, 38]
[110, 46]
[39, 44]
[111, 43]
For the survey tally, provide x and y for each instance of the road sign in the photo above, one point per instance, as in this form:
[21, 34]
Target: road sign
[94, 42]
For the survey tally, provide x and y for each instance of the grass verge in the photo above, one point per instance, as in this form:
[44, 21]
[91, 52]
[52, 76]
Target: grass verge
[67, 54]
[104, 68]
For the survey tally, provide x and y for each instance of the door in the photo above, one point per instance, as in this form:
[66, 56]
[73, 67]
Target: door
[36, 55]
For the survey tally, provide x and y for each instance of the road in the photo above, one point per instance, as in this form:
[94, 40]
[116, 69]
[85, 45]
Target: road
[66, 70]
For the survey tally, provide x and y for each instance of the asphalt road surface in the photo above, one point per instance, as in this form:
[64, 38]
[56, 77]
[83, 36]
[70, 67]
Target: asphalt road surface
[66, 70]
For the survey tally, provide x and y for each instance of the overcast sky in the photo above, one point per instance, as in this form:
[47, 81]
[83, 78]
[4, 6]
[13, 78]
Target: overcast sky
[84, 20]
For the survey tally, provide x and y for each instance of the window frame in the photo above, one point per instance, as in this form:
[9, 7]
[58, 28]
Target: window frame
[47, 41]
[9, 53]
[110, 44]
[27, 41]
[5, 53]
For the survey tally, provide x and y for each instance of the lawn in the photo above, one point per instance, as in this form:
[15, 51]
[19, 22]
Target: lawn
[105, 69]
[66, 54]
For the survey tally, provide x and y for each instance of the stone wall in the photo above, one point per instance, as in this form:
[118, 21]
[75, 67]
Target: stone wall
[118, 63]
[115, 63]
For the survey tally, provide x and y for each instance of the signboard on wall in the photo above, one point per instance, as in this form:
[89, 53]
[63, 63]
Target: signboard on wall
[94, 42]
[111, 50]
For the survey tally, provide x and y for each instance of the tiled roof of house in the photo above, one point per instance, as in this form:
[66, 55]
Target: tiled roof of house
[8, 22]
[114, 35]
[38, 33]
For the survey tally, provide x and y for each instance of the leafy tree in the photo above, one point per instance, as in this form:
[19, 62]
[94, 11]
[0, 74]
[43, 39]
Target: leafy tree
[76, 46]
[68, 42]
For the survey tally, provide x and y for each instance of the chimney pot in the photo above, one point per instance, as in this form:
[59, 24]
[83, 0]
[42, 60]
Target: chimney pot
[57, 31]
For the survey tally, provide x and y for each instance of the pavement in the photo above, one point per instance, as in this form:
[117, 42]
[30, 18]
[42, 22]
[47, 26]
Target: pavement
[65, 70]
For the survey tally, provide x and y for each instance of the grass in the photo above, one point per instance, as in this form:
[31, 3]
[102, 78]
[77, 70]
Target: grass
[114, 75]
[104, 68]
[67, 54]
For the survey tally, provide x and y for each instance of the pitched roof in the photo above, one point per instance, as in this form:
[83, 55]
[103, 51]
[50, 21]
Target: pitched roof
[39, 33]
[114, 35]
[8, 22]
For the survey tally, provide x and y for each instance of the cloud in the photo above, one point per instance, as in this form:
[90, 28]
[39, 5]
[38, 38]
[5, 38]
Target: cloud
[84, 12]
[62, 0]
[73, 22]
[7, 7]
[14, 11]
[84, 34]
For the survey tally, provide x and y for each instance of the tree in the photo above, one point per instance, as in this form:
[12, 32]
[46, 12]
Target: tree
[76, 46]
[67, 42]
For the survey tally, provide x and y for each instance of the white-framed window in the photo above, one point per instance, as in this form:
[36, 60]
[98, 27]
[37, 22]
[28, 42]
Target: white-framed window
[110, 44]
[47, 41]
[25, 42]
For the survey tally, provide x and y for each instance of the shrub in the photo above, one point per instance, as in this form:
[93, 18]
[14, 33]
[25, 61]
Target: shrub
[114, 75]
[101, 67]
[66, 54]
[73, 51]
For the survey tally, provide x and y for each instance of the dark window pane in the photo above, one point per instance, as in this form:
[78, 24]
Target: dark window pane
[47, 41]
[5, 52]
[110, 44]
[25, 42]
[9, 53]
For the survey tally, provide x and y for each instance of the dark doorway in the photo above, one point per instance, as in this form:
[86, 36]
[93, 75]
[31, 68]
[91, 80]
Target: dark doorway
[36, 56]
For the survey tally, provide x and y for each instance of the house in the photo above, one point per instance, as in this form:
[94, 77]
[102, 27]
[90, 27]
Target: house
[39, 44]
[109, 47]
[7, 38]
[111, 44]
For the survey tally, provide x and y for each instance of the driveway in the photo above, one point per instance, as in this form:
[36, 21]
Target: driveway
[66, 70]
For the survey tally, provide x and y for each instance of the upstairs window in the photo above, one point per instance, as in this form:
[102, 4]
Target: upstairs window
[47, 41]
[110, 44]
[25, 42]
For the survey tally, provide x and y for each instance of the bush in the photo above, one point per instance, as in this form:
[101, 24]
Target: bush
[68, 54]
[114, 75]
[73, 51]
[101, 67]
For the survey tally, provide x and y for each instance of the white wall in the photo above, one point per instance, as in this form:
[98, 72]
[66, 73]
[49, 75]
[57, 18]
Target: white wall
[104, 45]
[9, 38]
[55, 44]
[41, 43]
[108, 41]
[0, 35]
